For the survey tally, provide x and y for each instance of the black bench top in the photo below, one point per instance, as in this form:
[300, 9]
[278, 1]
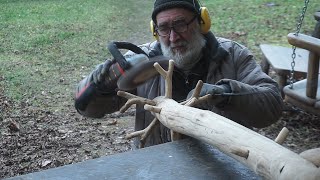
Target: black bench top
[183, 159]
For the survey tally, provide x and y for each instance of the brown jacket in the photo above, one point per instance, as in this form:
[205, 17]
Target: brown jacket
[255, 100]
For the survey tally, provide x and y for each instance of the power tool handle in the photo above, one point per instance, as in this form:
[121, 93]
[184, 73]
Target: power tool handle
[114, 47]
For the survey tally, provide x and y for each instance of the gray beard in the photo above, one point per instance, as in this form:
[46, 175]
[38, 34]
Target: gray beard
[187, 60]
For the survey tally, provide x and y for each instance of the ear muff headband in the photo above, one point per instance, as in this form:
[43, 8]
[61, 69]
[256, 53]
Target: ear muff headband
[153, 30]
[205, 23]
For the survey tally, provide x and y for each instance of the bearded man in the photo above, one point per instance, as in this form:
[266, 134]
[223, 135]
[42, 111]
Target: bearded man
[183, 34]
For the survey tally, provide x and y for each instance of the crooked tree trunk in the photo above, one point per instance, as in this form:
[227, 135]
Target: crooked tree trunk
[264, 156]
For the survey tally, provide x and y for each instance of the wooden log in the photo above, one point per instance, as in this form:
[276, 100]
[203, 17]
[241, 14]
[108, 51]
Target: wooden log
[312, 76]
[264, 156]
[282, 136]
[313, 67]
[304, 41]
[167, 75]
[312, 155]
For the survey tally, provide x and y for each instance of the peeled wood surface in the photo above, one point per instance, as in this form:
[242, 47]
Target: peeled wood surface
[304, 41]
[313, 155]
[266, 158]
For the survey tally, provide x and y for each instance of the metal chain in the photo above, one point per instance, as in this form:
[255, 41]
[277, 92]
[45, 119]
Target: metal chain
[299, 24]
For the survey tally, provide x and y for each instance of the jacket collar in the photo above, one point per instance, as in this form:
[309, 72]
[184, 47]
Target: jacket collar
[213, 53]
[213, 50]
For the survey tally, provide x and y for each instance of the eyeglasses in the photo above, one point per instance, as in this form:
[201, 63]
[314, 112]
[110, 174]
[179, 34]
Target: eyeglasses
[178, 27]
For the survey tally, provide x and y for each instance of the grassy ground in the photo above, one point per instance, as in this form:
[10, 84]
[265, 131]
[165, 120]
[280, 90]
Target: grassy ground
[253, 22]
[47, 46]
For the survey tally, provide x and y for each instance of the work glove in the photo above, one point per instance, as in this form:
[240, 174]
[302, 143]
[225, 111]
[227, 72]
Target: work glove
[101, 76]
[213, 90]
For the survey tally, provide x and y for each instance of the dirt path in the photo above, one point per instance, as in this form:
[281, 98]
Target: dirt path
[34, 140]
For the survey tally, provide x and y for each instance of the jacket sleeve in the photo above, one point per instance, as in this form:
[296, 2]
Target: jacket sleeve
[256, 99]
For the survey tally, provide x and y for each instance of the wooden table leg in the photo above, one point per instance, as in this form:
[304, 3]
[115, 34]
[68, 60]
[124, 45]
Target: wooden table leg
[265, 66]
[282, 82]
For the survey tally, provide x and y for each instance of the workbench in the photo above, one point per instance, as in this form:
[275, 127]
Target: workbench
[183, 159]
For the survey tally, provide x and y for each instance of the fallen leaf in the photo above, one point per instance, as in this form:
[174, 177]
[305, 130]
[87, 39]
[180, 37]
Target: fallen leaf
[240, 33]
[112, 122]
[45, 163]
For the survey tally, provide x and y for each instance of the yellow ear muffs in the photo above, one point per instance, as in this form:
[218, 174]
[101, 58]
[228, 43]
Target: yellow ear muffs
[153, 30]
[205, 21]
